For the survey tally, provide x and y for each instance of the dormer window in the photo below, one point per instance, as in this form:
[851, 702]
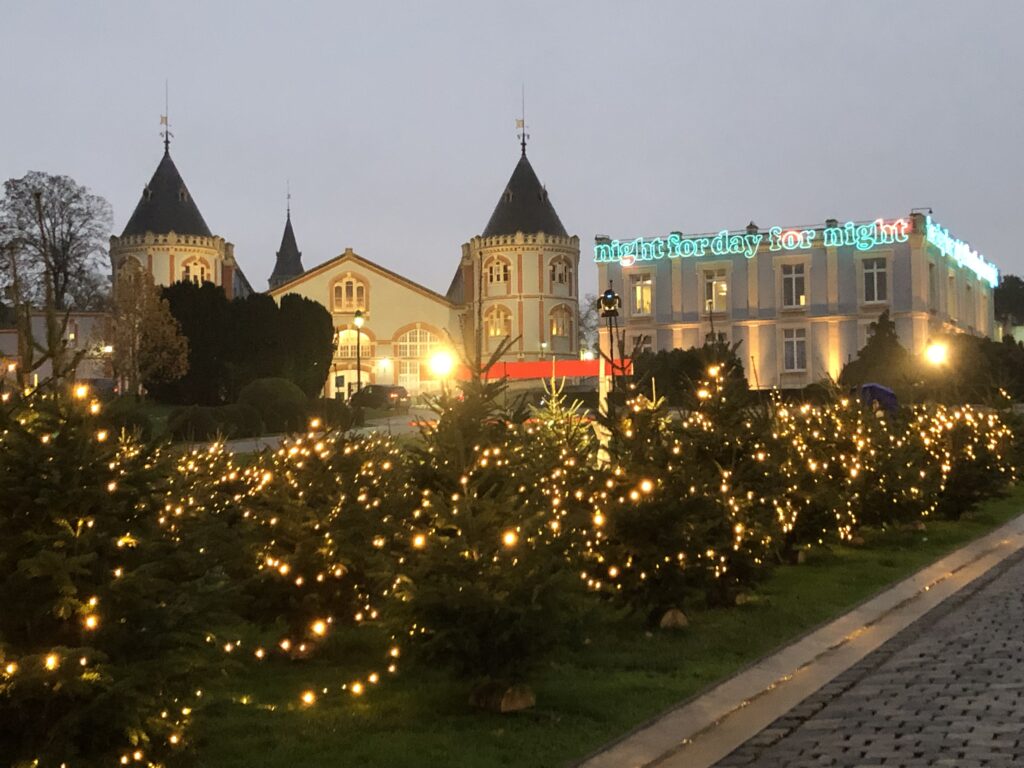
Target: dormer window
[508, 195]
[147, 193]
[183, 195]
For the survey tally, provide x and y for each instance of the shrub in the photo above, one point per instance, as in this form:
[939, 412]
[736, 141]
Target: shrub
[334, 413]
[125, 414]
[238, 420]
[279, 402]
[192, 422]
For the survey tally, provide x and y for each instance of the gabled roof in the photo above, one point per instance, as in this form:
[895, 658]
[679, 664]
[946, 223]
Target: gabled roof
[166, 206]
[289, 258]
[350, 255]
[524, 206]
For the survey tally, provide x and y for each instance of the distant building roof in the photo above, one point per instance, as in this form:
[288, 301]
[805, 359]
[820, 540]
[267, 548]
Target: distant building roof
[166, 206]
[524, 206]
[289, 258]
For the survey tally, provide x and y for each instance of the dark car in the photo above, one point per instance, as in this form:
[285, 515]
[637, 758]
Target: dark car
[382, 397]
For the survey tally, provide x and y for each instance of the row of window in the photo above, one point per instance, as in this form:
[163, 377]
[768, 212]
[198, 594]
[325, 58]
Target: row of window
[498, 322]
[417, 344]
[498, 272]
[794, 348]
[794, 287]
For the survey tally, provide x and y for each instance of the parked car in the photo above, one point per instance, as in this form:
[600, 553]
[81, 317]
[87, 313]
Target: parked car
[382, 397]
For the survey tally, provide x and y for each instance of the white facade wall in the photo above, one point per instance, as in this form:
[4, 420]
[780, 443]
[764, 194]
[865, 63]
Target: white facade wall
[404, 324]
[925, 291]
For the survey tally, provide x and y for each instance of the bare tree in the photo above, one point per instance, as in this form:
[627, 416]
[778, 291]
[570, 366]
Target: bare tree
[65, 241]
[590, 320]
[147, 339]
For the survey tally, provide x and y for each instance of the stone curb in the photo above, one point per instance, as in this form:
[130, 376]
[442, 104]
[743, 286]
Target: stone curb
[706, 728]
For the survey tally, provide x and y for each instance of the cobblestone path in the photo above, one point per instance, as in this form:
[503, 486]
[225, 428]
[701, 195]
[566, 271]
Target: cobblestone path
[947, 691]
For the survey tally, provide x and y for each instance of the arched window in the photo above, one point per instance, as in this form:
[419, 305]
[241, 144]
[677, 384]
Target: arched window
[350, 294]
[561, 275]
[498, 270]
[498, 322]
[412, 350]
[347, 344]
[562, 321]
[195, 271]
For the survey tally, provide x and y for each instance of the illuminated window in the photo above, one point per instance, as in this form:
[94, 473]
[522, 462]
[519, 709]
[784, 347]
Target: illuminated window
[716, 291]
[562, 321]
[347, 344]
[417, 343]
[794, 349]
[498, 322]
[641, 289]
[793, 282]
[409, 374]
[195, 271]
[875, 287]
[350, 294]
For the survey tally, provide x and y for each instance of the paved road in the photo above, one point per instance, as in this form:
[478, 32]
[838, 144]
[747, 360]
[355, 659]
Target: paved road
[947, 691]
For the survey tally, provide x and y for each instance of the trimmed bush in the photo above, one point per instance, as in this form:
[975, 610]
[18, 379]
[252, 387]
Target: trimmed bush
[334, 413]
[279, 402]
[238, 420]
[127, 415]
[193, 422]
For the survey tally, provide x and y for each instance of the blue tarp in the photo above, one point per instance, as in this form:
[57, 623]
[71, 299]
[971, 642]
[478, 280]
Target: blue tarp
[886, 397]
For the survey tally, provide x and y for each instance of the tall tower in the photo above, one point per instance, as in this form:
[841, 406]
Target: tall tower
[168, 236]
[520, 278]
[289, 258]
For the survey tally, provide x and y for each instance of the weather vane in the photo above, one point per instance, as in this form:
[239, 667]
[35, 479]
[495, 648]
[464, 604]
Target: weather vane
[521, 124]
[165, 121]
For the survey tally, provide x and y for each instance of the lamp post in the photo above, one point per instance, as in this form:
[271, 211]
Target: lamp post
[608, 306]
[358, 322]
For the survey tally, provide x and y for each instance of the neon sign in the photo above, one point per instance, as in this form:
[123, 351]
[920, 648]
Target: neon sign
[960, 252]
[862, 236]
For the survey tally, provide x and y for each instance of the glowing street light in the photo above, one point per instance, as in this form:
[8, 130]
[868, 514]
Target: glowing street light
[937, 353]
[441, 364]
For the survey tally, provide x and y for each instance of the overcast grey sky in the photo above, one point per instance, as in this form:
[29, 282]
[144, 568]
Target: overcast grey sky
[395, 121]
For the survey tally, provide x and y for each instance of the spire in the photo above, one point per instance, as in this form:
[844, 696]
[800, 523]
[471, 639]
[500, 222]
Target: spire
[166, 205]
[524, 206]
[165, 121]
[289, 259]
[521, 125]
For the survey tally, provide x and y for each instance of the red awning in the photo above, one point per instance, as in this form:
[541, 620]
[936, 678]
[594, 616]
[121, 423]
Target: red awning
[545, 369]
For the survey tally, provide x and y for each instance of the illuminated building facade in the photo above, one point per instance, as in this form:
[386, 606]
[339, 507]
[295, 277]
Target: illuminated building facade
[798, 300]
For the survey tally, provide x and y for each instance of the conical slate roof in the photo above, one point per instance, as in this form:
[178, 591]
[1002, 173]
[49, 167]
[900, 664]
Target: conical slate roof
[166, 206]
[524, 206]
[289, 258]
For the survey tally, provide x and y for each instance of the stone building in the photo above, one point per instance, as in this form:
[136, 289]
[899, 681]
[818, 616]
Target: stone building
[168, 236]
[798, 300]
[516, 280]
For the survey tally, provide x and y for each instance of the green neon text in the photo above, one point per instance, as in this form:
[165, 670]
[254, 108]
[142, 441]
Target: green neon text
[961, 252]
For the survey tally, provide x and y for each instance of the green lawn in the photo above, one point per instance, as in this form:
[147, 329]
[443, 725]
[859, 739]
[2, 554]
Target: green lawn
[587, 697]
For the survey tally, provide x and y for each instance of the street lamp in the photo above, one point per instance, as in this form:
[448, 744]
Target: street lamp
[937, 353]
[543, 349]
[358, 322]
[608, 306]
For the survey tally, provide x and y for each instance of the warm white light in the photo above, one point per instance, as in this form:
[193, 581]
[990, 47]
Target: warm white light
[81, 391]
[319, 628]
[510, 538]
[308, 698]
[384, 363]
[587, 354]
[937, 353]
[442, 364]
[52, 661]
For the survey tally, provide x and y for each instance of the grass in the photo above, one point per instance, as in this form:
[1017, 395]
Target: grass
[585, 698]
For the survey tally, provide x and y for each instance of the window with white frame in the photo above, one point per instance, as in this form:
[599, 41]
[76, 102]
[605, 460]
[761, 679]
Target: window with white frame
[561, 274]
[876, 288]
[498, 271]
[195, 271]
[561, 321]
[347, 344]
[794, 294]
[641, 343]
[794, 349]
[416, 343]
[498, 322]
[350, 295]
[716, 291]
[641, 289]
[409, 374]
